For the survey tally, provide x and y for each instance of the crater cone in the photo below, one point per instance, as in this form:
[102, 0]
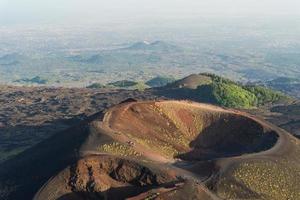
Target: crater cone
[190, 131]
[159, 150]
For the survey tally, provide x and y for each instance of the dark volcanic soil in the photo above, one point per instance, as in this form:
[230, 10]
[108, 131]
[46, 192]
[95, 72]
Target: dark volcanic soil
[29, 115]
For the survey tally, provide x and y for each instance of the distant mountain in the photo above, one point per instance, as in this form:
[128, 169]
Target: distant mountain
[10, 59]
[139, 45]
[154, 46]
[138, 56]
[93, 59]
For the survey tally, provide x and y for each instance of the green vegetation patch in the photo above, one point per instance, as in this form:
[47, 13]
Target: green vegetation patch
[140, 86]
[232, 95]
[123, 83]
[228, 93]
[265, 95]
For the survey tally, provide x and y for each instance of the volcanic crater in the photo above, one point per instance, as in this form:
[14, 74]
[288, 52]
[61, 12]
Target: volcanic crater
[161, 150]
[190, 131]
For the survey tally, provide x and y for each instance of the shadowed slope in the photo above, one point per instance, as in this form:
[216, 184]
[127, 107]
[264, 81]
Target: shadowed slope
[23, 175]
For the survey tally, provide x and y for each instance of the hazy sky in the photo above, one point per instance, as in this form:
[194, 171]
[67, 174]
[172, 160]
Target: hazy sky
[53, 11]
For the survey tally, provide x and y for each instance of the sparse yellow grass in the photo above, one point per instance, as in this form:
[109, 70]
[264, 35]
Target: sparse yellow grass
[171, 112]
[118, 149]
[272, 180]
[164, 141]
[158, 146]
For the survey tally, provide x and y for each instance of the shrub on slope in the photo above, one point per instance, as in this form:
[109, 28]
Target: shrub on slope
[232, 95]
[265, 95]
[228, 93]
[123, 83]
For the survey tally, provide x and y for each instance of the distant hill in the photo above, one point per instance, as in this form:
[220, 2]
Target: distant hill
[192, 81]
[93, 59]
[154, 46]
[214, 89]
[123, 83]
[160, 81]
[121, 57]
[10, 59]
[290, 86]
[36, 80]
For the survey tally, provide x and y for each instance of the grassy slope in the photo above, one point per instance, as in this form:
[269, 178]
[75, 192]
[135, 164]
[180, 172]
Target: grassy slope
[227, 93]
